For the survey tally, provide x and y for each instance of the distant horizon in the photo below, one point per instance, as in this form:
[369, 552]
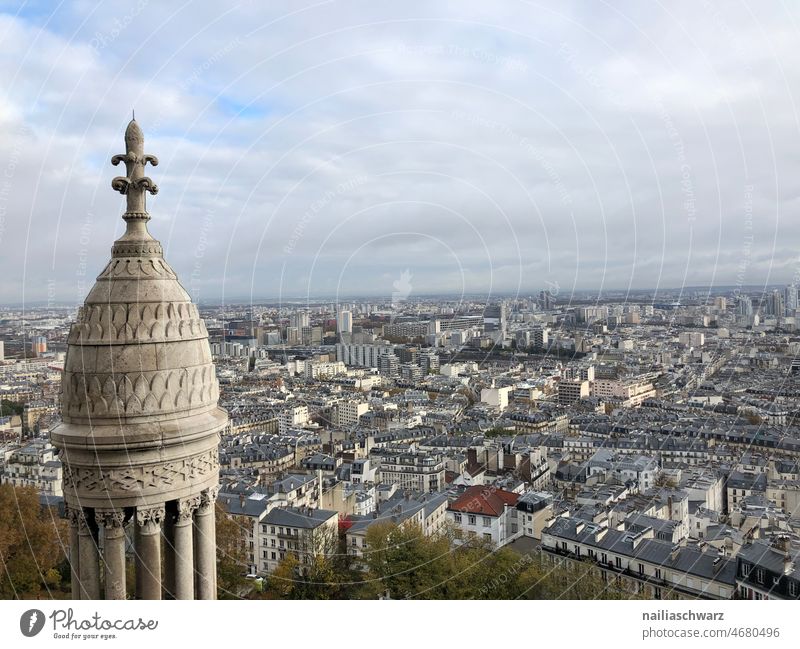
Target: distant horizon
[292, 300]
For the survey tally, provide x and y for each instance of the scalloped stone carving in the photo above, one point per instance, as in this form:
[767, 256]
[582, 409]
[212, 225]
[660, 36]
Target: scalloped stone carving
[142, 322]
[141, 393]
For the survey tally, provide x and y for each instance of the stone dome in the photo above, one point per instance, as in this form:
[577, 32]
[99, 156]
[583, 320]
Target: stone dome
[139, 392]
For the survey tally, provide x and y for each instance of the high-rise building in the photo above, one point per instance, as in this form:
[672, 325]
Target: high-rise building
[790, 299]
[547, 300]
[344, 322]
[38, 345]
[773, 304]
[299, 320]
[744, 305]
[140, 424]
[389, 365]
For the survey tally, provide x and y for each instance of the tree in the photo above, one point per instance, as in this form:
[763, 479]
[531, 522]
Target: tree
[319, 568]
[232, 539]
[8, 408]
[568, 580]
[33, 542]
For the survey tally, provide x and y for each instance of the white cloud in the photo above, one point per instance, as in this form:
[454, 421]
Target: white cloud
[577, 144]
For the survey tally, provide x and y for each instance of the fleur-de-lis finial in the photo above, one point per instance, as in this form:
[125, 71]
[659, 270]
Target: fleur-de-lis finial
[135, 184]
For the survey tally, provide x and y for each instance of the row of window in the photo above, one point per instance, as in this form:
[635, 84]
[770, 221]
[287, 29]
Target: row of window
[747, 571]
[472, 519]
[288, 530]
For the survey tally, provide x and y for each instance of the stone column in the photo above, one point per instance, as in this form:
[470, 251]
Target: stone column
[148, 551]
[206, 545]
[112, 521]
[89, 558]
[184, 548]
[74, 552]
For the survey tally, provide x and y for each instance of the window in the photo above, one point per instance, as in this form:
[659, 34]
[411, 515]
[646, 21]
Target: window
[471, 519]
[272, 542]
[658, 573]
[272, 529]
[457, 518]
[618, 562]
[273, 556]
[604, 557]
[577, 550]
[760, 575]
[486, 521]
[487, 537]
[793, 588]
[744, 570]
[355, 541]
[641, 568]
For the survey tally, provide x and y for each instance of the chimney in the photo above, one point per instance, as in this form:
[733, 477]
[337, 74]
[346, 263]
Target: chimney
[782, 543]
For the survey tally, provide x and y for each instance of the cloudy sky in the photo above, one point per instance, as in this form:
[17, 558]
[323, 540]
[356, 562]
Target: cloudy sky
[324, 148]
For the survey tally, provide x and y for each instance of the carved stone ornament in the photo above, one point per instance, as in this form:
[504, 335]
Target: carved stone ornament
[172, 474]
[110, 518]
[187, 508]
[208, 497]
[150, 518]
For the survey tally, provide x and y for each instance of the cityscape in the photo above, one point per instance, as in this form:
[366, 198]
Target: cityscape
[655, 437]
[487, 307]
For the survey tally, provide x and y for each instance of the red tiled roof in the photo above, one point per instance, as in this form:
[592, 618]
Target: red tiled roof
[485, 500]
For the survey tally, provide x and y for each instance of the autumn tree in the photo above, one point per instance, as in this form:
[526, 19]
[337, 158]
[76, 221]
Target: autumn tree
[318, 568]
[33, 542]
[232, 539]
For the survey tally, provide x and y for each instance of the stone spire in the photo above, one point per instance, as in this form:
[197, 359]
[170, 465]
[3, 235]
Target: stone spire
[140, 423]
[135, 186]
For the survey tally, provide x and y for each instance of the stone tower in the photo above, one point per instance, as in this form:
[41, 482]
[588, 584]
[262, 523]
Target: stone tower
[140, 423]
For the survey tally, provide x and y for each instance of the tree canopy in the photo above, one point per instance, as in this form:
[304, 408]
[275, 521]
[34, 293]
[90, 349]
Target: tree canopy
[400, 562]
[33, 542]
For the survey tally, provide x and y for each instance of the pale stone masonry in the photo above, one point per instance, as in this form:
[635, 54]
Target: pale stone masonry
[140, 422]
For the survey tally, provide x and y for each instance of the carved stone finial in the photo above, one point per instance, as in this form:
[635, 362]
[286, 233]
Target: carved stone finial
[135, 184]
